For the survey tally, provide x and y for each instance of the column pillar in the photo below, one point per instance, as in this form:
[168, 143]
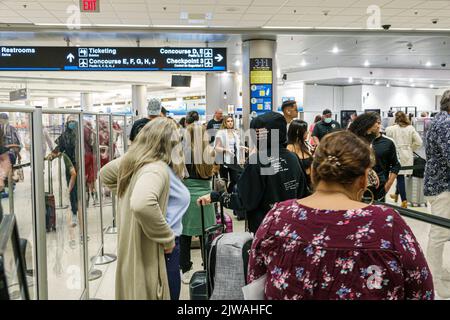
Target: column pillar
[86, 101]
[139, 100]
[222, 90]
[259, 72]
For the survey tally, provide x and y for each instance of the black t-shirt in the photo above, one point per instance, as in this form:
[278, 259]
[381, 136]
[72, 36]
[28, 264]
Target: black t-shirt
[137, 125]
[258, 192]
[386, 156]
[321, 128]
[214, 126]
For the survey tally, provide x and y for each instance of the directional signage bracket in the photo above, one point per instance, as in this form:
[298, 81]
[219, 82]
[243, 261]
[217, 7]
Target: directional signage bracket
[112, 59]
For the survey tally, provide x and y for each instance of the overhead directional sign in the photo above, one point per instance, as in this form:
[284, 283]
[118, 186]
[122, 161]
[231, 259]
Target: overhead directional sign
[112, 59]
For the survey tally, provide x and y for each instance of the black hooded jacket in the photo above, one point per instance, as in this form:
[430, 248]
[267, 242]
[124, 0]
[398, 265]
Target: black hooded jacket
[264, 183]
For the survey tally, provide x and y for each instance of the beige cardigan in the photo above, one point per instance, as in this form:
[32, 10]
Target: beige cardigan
[143, 232]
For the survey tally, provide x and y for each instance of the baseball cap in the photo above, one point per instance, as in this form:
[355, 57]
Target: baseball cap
[154, 107]
[326, 111]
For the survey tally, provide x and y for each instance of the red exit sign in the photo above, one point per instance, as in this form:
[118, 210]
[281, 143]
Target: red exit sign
[90, 5]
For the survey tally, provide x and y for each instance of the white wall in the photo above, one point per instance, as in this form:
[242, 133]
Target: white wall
[352, 97]
[381, 97]
[290, 91]
[317, 98]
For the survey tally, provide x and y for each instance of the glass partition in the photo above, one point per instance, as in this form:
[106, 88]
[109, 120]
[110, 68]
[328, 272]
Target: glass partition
[16, 195]
[106, 154]
[64, 212]
[119, 130]
[92, 187]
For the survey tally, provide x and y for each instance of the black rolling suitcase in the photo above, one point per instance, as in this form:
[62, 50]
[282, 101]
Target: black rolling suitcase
[199, 286]
[50, 204]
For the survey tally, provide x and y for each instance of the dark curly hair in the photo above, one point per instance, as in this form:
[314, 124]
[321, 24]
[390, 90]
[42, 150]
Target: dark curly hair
[363, 123]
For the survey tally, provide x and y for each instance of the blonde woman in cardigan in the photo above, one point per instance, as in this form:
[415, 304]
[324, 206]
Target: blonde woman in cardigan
[141, 180]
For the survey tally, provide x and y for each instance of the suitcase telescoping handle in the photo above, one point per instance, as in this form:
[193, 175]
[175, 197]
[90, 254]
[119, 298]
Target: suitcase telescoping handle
[50, 180]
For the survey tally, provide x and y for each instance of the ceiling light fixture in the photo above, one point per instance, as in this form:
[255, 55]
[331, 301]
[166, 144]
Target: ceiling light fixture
[388, 85]
[428, 64]
[350, 80]
[413, 85]
[303, 63]
[431, 86]
[335, 50]
[411, 80]
[377, 83]
[366, 63]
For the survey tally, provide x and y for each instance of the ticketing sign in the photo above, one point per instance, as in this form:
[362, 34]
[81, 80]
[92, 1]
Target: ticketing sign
[112, 59]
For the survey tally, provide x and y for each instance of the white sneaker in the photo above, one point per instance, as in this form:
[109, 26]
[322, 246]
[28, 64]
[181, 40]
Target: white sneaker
[186, 277]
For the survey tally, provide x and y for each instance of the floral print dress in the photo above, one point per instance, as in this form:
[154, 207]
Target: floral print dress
[311, 254]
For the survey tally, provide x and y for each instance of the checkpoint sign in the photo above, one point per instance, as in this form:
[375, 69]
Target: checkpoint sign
[112, 59]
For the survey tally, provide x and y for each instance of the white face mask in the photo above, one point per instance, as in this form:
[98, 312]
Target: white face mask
[328, 120]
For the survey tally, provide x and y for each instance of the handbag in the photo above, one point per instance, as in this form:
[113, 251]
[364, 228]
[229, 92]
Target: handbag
[419, 162]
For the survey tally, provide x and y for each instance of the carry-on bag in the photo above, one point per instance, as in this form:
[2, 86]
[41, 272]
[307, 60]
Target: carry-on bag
[50, 204]
[414, 191]
[199, 286]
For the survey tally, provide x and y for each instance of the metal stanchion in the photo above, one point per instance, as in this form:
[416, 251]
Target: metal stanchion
[103, 258]
[60, 204]
[113, 228]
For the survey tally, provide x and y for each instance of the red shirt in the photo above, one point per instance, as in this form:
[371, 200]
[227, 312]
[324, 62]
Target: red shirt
[311, 254]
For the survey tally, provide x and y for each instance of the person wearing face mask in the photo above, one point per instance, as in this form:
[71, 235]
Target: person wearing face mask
[325, 126]
[387, 167]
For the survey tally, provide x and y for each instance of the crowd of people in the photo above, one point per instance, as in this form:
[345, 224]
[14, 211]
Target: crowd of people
[304, 190]
[311, 196]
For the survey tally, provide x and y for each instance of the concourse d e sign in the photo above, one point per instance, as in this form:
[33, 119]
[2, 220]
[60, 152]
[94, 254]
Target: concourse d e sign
[112, 59]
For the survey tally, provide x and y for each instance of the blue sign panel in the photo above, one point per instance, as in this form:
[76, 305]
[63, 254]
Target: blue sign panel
[261, 98]
[112, 59]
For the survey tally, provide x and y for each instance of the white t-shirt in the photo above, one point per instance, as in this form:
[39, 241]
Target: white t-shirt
[230, 142]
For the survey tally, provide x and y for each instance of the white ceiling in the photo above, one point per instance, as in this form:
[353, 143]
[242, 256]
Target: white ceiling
[295, 52]
[235, 13]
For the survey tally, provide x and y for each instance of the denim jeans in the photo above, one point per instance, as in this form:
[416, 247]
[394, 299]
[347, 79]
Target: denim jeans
[173, 271]
[401, 187]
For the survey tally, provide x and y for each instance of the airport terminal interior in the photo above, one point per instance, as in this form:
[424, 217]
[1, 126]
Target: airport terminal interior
[97, 63]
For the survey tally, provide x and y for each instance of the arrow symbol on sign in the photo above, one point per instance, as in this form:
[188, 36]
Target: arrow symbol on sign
[70, 57]
[218, 58]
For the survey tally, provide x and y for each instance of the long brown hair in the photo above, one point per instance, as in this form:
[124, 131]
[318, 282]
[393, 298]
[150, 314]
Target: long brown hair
[401, 119]
[202, 155]
[158, 140]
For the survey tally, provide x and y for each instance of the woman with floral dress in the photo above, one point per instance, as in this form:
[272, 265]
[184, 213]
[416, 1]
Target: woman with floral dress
[332, 246]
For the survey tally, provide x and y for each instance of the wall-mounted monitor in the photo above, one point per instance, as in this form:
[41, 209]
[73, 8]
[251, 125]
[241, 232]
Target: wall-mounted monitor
[181, 81]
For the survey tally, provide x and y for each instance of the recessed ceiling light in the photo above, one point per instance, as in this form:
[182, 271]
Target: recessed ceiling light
[431, 86]
[388, 85]
[377, 83]
[411, 80]
[413, 85]
[428, 64]
[303, 63]
[315, 84]
[350, 80]
[367, 63]
[335, 50]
